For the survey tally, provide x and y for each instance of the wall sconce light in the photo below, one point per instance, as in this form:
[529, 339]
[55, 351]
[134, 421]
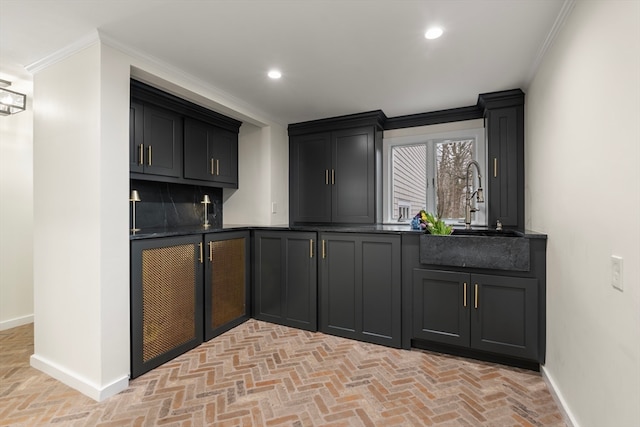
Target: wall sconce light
[135, 197]
[10, 102]
[205, 201]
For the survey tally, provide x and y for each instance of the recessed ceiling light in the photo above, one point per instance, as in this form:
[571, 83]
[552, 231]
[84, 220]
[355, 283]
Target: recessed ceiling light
[274, 74]
[433, 33]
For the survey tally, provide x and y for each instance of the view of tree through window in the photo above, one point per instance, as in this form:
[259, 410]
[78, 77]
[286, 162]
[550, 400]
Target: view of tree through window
[430, 176]
[452, 157]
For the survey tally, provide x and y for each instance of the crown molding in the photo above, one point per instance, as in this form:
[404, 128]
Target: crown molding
[57, 56]
[564, 13]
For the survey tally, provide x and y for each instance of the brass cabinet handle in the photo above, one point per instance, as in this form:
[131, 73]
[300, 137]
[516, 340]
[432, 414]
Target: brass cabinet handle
[211, 251]
[495, 167]
[476, 296]
[464, 296]
[218, 167]
[333, 176]
[310, 248]
[149, 155]
[141, 154]
[200, 248]
[326, 177]
[324, 253]
[212, 170]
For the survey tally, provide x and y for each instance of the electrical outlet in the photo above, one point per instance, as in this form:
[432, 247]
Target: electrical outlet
[616, 272]
[274, 207]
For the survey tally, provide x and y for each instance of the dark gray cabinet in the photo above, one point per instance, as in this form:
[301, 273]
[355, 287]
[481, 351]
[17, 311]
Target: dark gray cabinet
[285, 278]
[504, 126]
[173, 140]
[360, 287]
[166, 300]
[155, 140]
[210, 153]
[333, 176]
[497, 314]
[332, 169]
[310, 160]
[185, 290]
[227, 298]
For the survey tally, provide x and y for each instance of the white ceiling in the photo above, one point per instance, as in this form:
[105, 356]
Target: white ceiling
[336, 56]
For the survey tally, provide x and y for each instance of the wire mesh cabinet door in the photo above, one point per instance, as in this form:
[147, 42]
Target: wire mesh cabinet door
[166, 300]
[226, 281]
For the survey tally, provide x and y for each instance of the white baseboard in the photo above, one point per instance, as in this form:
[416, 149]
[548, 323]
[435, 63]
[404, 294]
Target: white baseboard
[18, 321]
[94, 391]
[568, 416]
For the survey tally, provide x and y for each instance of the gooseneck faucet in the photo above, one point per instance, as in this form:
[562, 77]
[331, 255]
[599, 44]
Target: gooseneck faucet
[478, 193]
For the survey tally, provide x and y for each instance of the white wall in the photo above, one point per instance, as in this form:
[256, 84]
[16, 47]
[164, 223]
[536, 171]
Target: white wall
[16, 206]
[81, 277]
[81, 183]
[583, 190]
[263, 178]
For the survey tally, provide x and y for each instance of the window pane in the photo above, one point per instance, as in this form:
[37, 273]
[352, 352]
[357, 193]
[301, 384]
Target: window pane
[409, 180]
[452, 158]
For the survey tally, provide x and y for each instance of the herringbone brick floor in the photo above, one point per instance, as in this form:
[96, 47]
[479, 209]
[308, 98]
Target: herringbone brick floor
[260, 374]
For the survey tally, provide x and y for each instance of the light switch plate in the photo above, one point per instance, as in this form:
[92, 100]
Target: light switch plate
[616, 272]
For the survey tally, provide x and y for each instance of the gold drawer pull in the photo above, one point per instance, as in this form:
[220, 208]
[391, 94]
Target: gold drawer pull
[464, 296]
[476, 296]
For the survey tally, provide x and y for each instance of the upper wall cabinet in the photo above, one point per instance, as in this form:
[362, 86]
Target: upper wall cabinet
[173, 140]
[504, 125]
[333, 168]
[210, 153]
[155, 140]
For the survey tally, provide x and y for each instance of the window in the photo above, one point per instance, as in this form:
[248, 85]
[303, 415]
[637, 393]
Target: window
[428, 171]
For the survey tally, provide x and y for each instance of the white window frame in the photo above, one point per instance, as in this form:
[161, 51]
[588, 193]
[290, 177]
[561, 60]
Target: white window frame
[431, 135]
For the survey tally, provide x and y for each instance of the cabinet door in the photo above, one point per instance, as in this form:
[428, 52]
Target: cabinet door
[226, 283]
[136, 137]
[353, 176]
[360, 287]
[310, 178]
[381, 290]
[162, 142]
[441, 306]
[198, 162]
[166, 300]
[285, 278]
[504, 317]
[224, 152]
[210, 153]
[340, 274]
[505, 133]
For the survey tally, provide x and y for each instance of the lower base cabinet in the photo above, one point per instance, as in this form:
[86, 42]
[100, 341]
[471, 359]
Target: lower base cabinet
[285, 278]
[227, 297]
[185, 290]
[166, 300]
[360, 287]
[497, 314]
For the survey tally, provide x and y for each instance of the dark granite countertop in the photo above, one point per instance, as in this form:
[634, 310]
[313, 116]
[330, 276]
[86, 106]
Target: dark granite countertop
[149, 233]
